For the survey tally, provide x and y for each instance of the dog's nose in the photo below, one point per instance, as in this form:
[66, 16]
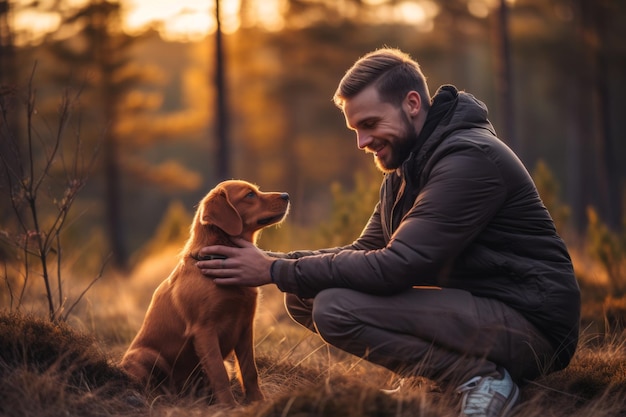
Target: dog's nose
[285, 196]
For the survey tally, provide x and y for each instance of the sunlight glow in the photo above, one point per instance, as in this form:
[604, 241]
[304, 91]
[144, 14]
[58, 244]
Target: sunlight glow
[268, 14]
[410, 12]
[482, 8]
[192, 20]
[182, 20]
[419, 14]
[31, 24]
[478, 8]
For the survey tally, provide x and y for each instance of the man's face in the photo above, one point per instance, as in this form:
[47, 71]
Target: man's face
[381, 128]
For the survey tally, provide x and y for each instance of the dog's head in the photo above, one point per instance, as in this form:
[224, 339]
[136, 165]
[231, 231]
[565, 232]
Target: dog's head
[240, 209]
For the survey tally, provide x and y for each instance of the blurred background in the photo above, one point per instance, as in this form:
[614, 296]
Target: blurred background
[156, 101]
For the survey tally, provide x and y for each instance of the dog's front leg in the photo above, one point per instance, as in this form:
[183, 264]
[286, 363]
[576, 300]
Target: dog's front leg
[247, 366]
[208, 350]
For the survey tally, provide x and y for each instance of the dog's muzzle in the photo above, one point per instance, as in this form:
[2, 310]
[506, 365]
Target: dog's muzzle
[270, 220]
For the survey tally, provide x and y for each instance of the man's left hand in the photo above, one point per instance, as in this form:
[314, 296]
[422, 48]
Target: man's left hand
[244, 265]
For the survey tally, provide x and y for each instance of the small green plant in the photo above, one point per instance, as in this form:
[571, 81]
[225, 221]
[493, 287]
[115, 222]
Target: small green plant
[609, 249]
[41, 177]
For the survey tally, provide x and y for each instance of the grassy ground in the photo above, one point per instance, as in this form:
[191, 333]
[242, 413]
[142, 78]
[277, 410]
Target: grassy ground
[71, 370]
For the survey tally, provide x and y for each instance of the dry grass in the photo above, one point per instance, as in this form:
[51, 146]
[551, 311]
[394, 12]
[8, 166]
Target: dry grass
[48, 370]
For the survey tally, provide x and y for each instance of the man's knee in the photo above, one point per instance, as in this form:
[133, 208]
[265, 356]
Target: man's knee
[332, 314]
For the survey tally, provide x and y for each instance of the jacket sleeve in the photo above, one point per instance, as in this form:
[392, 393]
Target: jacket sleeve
[461, 194]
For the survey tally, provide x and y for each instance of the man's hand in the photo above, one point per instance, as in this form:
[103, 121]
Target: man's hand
[245, 265]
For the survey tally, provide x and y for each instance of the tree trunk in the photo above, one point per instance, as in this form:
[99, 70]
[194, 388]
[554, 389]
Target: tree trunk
[605, 179]
[7, 52]
[504, 78]
[10, 142]
[608, 175]
[110, 97]
[222, 154]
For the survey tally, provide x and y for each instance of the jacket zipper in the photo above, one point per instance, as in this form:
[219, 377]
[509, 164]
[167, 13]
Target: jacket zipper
[397, 200]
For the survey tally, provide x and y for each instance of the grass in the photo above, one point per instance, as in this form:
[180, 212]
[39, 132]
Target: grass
[71, 369]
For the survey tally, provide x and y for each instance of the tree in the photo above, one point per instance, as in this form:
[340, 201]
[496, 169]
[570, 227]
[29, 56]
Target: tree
[504, 76]
[594, 51]
[594, 26]
[101, 54]
[7, 53]
[221, 103]
[103, 57]
[7, 86]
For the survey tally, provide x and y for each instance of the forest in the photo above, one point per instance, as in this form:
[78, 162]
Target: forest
[109, 137]
[150, 109]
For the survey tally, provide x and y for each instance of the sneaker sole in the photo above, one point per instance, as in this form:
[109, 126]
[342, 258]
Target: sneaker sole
[511, 402]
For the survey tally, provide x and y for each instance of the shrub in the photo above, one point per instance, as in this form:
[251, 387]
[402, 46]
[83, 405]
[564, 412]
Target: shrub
[609, 249]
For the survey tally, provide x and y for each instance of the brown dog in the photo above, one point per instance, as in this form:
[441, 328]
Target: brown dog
[193, 324]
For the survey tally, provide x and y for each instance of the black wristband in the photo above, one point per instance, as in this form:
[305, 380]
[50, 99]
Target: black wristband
[272, 271]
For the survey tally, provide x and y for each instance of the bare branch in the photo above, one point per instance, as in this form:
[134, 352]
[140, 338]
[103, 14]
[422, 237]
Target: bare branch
[59, 283]
[26, 274]
[41, 222]
[8, 285]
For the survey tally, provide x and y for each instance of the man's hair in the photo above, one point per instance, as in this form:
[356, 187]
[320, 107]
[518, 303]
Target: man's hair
[393, 72]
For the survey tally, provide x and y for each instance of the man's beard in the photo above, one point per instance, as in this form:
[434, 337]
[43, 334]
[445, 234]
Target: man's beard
[400, 148]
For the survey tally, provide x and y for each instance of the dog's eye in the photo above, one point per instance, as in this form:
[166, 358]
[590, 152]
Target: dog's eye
[251, 194]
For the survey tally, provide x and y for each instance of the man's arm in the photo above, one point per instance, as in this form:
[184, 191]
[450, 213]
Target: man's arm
[462, 194]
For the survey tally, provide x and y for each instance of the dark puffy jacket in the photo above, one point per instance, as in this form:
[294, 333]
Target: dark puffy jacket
[461, 212]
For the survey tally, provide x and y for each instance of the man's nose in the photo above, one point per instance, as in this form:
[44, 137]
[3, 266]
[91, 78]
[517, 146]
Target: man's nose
[363, 140]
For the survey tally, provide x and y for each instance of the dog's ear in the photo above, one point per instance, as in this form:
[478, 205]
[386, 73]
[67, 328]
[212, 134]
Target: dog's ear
[218, 211]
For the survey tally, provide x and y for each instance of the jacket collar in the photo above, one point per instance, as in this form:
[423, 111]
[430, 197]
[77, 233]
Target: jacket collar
[444, 100]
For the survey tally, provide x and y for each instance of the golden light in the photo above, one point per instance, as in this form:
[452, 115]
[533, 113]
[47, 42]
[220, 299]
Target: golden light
[375, 2]
[31, 24]
[192, 20]
[480, 8]
[138, 16]
[183, 20]
[268, 14]
[410, 12]
[418, 14]
[188, 25]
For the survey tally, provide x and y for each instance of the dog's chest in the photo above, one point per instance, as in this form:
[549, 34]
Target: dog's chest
[214, 301]
[236, 295]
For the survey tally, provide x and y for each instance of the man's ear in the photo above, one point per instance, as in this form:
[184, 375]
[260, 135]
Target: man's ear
[218, 211]
[413, 103]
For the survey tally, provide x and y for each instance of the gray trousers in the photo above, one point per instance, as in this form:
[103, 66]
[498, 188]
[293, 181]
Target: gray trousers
[447, 335]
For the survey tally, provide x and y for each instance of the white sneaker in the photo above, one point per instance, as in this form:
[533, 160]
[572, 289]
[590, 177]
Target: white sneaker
[488, 397]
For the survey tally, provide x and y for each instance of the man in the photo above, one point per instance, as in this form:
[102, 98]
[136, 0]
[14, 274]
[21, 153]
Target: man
[459, 275]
